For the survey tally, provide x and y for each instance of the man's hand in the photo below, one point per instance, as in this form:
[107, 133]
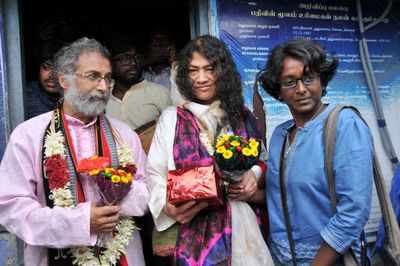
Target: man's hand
[103, 219]
[244, 189]
[185, 212]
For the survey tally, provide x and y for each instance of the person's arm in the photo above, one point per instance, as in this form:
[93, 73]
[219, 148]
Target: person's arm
[258, 196]
[135, 203]
[157, 168]
[186, 212]
[260, 170]
[326, 256]
[353, 170]
[165, 99]
[251, 186]
[245, 188]
[22, 212]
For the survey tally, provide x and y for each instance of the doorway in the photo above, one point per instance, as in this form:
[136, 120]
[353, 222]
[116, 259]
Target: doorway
[69, 20]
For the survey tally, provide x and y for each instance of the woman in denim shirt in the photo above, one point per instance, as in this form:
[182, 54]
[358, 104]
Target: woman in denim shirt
[297, 74]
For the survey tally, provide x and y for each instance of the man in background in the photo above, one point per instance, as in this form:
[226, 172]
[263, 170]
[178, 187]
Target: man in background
[134, 100]
[159, 58]
[42, 95]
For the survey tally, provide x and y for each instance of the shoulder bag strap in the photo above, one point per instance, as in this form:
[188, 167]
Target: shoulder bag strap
[285, 208]
[329, 142]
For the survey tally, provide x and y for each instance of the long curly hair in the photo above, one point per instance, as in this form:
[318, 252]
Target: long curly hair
[228, 82]
[310, 53]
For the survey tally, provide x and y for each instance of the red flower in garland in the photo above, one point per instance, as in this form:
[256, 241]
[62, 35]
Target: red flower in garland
[56, 171]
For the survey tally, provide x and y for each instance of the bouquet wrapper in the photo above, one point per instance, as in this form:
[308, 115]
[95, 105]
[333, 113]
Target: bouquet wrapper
[199, 184]
[233, 176]
[110, 192]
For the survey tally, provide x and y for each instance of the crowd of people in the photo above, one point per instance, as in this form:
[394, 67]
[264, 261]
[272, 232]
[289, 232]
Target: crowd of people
[160, 114]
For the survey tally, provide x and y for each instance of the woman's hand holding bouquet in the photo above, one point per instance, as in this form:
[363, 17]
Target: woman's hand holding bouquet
[245, 188]
[235, 156]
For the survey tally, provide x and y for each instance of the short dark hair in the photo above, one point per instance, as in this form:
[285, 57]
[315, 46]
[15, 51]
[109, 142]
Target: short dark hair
[48, 49]
[228, 82]
[121, 43]
[310, 53]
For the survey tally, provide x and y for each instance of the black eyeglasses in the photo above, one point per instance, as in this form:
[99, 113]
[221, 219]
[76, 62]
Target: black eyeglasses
[306, 79]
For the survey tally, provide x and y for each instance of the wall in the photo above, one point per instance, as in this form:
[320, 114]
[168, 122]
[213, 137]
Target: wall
[9, 38]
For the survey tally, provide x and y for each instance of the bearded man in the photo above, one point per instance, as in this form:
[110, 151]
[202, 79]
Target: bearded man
[46, 200]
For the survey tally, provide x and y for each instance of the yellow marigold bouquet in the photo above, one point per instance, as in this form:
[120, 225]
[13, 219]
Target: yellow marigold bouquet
[235, 154]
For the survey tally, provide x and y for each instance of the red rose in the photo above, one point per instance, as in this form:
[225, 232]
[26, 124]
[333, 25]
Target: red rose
[130, 168]
[56, 171]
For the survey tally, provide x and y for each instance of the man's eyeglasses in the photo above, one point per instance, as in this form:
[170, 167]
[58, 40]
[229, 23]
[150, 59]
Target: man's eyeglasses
[96, 77]
[291, 83]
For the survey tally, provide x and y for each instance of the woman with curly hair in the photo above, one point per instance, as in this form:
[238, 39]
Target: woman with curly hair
[311, 232]
[229, 235]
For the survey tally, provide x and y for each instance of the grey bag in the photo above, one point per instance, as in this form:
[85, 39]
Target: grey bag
[391, 249]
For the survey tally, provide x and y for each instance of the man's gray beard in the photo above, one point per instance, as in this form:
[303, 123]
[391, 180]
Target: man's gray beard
[90, 104]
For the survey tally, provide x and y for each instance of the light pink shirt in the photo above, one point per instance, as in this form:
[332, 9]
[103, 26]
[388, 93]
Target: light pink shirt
[23, 209]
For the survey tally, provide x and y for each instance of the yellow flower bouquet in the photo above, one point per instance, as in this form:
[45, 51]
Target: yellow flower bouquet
[235, 155]
[113, 184]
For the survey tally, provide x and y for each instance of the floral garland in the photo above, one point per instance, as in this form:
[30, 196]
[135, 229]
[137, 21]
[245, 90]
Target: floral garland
[205, 140]
[56, 170]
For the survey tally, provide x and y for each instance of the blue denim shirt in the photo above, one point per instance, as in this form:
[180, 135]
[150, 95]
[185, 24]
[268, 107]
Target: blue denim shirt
[310, 210]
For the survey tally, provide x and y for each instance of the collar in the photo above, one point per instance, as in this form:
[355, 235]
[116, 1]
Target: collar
[132, 87]
[196, 108]
[309, 124]
[73, 121]
[112, 97]
[164, 70]
[201, 109]
[137, 84]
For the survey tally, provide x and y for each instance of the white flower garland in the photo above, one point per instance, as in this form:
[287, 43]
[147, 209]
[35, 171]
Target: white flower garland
[125, 155]
[54, 144]
[207, 143]
[205, 140]
[116, 246]
[62, 197]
